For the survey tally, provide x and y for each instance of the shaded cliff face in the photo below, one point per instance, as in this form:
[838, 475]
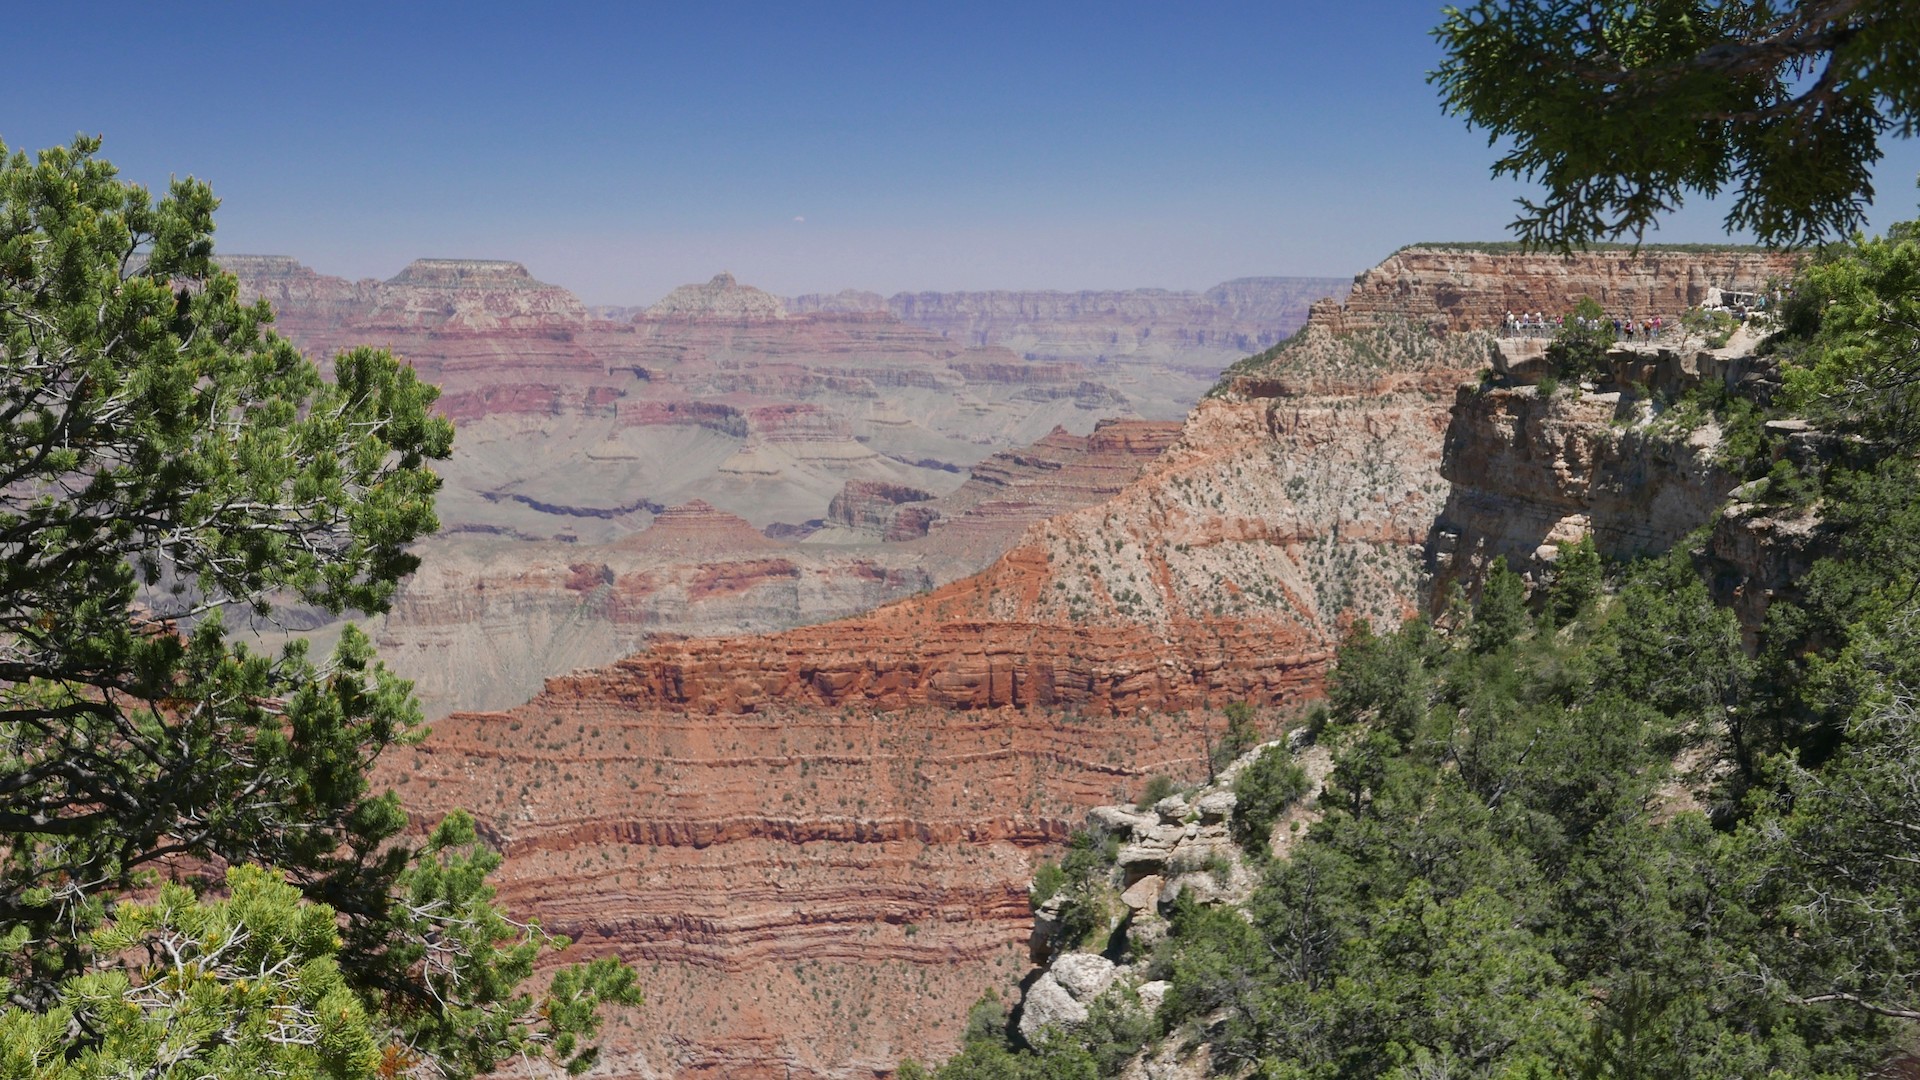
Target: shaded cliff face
[1464, 289]
[830, 829]
[1530, 472]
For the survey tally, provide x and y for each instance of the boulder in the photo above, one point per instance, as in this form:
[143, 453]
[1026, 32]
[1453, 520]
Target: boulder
[1137, 861]
[1153, 993]
[1172, 810]
[1147, 930]
[1143, 895]
[1216, 805]
[1084, 975]
[1048, 1005]
[1118, 821]
[1046, 923]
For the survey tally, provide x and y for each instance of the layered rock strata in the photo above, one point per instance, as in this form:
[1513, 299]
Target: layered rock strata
[487, 617]
[575, 432]
[1473, 287]
[828, 830]
[831, 828]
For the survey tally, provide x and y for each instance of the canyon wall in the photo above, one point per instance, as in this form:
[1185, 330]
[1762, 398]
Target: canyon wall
[1530, 472]
[829, 829]
[1473, 287]
[487, 618]
[1627, 464]
[815, 843]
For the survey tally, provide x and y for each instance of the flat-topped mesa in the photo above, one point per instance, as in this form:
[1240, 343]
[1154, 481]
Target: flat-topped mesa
[473, 295]
[1140, 438]
[878, 508]
[1474, 286]
[263, 267]
[304, 300]
[466, 274]
[696, 527]
[720, 300]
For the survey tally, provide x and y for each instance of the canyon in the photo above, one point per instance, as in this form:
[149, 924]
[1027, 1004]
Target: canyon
[830, 829]
[815, 843]
[623, 473]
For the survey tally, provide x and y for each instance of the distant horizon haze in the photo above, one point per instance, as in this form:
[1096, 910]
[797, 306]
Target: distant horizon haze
[623, 150]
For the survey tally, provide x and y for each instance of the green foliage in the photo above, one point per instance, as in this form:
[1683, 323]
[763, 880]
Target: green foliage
[1845, 640]
[1048, 880]
[1500, 614]
[1576, 581]
[1241, 735]
[1579, 347]
[167, 464]
[1088, 901]
[1858, 318]
[1621, 109]
[1263, 791]
[1493, 891]
[1058, 1059]
[246, 986]
[1713, 328]
[1159, 786]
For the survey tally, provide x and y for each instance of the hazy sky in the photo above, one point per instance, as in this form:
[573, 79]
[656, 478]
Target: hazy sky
[621, 149]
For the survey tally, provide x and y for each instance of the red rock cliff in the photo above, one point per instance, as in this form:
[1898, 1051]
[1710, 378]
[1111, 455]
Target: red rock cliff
[1464, 288]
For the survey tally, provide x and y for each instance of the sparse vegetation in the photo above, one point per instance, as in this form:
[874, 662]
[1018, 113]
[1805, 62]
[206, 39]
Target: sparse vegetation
[1265, 789]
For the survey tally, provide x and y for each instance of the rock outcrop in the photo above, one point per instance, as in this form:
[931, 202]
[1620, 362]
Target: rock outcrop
[1474, 286]
[1182, 846]
[888, 511]
[1532, 471]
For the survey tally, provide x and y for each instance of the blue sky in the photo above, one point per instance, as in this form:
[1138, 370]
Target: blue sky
[621, 149]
